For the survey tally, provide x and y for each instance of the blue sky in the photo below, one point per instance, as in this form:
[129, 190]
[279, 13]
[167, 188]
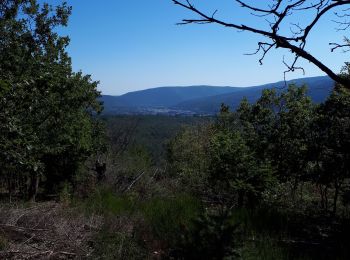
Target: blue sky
[135, 44]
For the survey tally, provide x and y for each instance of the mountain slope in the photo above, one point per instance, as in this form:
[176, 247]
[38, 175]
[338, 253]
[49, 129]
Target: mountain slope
[318, 89]
[202, 99]
[162, 97]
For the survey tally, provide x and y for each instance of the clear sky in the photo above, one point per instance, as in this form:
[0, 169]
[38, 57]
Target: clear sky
[130, 45]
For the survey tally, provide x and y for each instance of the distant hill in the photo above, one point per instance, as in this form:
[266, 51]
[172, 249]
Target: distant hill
[202, 99]
[318, 89]
[162, 97]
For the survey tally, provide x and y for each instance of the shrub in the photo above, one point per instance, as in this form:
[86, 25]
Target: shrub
[168, 218]
[3, 243]
[109, 244]
[104, 202]
[211, 237]
[66, 194]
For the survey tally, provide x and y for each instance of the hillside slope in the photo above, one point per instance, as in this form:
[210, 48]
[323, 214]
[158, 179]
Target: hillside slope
[318, 89]
[202, 99]
[162, 97]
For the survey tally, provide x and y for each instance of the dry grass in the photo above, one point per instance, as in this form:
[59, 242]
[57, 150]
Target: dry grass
[46, 231]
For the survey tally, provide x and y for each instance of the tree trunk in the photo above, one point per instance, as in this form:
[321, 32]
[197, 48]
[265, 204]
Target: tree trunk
[33, 186]
[9, 186]
[295, 188]
[335, 199]
[326, 197]
[240, 199]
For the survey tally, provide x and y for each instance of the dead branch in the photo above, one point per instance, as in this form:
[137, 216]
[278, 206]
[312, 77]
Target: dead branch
[134, 181]
[22, 228]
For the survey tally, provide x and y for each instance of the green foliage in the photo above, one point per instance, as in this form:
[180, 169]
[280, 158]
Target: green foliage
[112, 244]
[151, 132]
[264, 221]
[46, 119]
[279, 163]
[65, 194]
[216, 161]
[135, 160]
[3, 243]
[211, 237]
[265, 248]
[188, 231]
[169, 217]
[187, 156]
[105, 202]
[332, 155]
[277, 127]
[234, 170]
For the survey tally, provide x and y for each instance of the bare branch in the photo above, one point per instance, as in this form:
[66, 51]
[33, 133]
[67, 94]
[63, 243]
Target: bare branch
[279, 10]
[341, 46]
[263, 47]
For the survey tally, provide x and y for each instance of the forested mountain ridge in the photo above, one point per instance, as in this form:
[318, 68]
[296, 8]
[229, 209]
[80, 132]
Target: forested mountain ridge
[160, 97]
[203, 99]
[319, 89]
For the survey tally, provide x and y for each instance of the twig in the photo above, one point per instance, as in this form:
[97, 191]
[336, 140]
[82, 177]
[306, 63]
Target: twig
[23, 228]
[134, 181]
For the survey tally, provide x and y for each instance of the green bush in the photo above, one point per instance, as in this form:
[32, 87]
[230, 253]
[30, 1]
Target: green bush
[65, 194]
[263, 221]
[3, 242]
[103, 201]
[212, 236]
[168, 218]
[117, 245]
[264, 248]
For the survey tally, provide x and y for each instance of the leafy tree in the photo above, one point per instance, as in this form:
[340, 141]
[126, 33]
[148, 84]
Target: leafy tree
[234, 172]
[211, 237]
[188, 158]
[278, 128]
[294, 121]
[47, 110]
[216, 163]
[257, 122]
[334, 141]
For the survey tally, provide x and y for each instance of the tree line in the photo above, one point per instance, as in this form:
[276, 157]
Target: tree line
[282, 139]
[282, 154]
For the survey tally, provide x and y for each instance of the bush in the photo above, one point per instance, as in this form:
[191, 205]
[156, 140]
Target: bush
[168, 218]
[3, 243]
[264, 248]
[104, 202]
[66, 194]
[109, 244]
[211, 237]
